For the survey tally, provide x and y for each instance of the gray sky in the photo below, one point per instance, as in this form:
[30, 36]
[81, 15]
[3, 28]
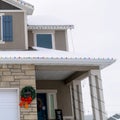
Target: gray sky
[96, 34]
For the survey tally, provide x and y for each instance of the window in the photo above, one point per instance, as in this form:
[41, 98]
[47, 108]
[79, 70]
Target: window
[6, 29]
[51, 105]
[45, 40]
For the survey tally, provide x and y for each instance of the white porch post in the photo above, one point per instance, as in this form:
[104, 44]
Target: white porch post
[97, 98]
[77, 100]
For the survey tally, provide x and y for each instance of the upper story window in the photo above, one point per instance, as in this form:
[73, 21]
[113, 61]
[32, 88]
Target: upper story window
[45, 40]
[6, 28]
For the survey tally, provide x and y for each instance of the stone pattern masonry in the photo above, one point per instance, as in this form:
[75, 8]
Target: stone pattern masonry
[19, 76]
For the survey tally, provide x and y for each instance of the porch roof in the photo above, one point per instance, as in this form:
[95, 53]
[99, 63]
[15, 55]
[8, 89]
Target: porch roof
[43, 56]
[47, 22]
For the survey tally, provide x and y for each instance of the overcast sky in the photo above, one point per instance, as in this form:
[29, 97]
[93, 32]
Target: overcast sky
[96, 34]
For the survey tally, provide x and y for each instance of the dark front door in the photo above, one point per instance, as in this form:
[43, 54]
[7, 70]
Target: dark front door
[42, 106]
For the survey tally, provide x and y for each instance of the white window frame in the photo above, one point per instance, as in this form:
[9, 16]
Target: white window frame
[44, 32]
[1, 40]
[48, 93]
[18, 101]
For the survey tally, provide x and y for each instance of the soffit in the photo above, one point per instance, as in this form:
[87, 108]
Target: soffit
[47, 22]
[52, 75]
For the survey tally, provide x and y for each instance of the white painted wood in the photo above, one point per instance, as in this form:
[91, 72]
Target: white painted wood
[50, 27]
[68, 118]
[26, 31]
[71, 94]
[66, 40]
[46, 91]
[3, 11]
[1, 40]
[77, 100]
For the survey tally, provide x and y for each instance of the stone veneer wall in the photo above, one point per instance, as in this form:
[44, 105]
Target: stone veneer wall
[19, 76]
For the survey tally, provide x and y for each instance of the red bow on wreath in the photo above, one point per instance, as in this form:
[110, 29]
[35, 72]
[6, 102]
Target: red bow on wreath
[27, 96]
[25, 102]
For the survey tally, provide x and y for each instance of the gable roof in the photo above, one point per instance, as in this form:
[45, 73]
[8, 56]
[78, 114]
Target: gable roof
[7, 6]
[21, 5]
[45, 56]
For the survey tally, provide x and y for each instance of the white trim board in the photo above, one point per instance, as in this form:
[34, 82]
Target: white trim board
[1, 16]
[11, 11]
[26, 31]
[50, 27]
[46, 91]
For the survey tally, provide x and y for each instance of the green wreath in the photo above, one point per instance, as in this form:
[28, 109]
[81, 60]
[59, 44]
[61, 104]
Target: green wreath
[28, 91]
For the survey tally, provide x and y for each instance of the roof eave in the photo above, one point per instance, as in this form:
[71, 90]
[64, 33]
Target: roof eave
[47, 27]
[68, 62]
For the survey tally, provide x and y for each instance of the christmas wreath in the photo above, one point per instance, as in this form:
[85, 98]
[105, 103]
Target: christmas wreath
[27, 96]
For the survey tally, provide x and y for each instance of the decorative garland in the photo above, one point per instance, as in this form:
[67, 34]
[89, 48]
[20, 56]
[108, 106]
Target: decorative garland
[27, 96]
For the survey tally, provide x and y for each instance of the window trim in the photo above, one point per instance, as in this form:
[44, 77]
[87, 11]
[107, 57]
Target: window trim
[48, 93]
[45, 32]
[1, 40]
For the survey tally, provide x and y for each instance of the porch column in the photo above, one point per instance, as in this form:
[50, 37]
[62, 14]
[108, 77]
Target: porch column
[77, 100]
[97, 98]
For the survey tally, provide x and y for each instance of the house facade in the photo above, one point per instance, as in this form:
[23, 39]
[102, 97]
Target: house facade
[49, 68]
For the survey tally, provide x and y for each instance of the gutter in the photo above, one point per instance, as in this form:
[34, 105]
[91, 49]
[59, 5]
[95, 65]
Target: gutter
[102, 63]
[50, 27]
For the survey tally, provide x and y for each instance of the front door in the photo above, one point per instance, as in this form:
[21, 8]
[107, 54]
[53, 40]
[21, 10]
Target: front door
[42, 106]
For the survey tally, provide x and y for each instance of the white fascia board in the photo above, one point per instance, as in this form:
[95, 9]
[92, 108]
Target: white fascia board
[55, 61]
[50, 27]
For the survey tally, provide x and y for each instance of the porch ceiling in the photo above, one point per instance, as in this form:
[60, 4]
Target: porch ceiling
[66, 73]
[53, 75]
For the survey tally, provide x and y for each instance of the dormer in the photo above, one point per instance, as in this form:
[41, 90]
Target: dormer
[13, 24]
[48, 32]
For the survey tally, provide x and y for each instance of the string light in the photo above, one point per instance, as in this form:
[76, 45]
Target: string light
[28, 57]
